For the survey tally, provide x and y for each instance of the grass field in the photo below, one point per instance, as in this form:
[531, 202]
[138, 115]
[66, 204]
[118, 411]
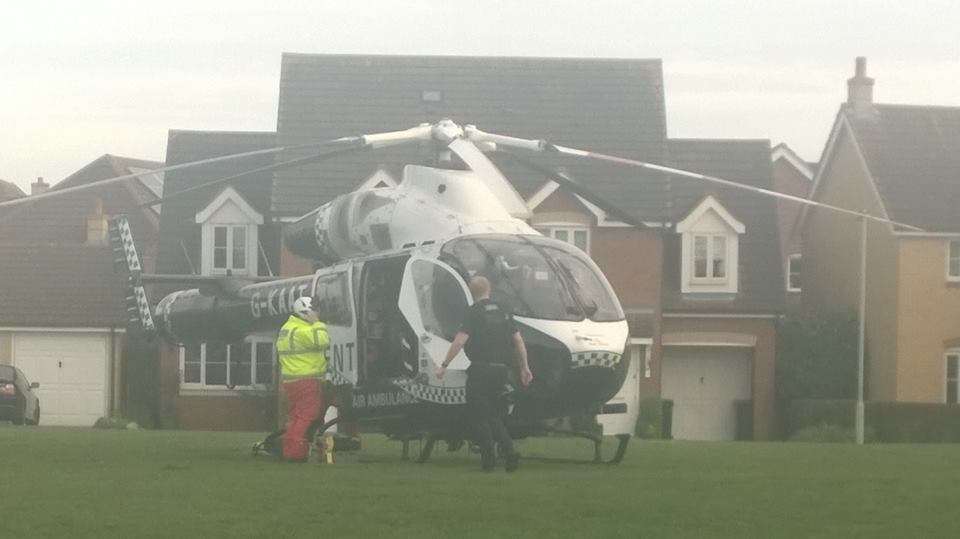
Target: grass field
[85, 483]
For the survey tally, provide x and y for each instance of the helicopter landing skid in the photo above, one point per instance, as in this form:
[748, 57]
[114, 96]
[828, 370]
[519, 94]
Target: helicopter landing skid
[623, 440]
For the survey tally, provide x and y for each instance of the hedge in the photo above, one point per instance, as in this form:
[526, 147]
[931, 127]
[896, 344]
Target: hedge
[909, 422]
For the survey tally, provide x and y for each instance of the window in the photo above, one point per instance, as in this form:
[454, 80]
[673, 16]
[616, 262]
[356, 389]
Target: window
[793, 273]
[246, 365]
[228, 232]
[578, 236]
[230, 248]
[953, 374]
[710, 249]
[709, 257]
[440, 298]
[334, 300]
[536, 278]
[953, 261]
[640, 353]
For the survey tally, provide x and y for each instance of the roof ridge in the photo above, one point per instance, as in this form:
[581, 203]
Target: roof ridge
[918, 106]
[588, 59]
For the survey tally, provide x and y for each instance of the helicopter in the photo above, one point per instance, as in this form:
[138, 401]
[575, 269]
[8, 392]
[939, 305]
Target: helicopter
[392, 286]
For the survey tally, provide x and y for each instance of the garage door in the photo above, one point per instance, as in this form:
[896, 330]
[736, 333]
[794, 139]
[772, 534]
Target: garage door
[72, 372]
[703, 384]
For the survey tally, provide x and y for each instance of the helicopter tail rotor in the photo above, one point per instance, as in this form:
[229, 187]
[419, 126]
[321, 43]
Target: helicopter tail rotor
[127, 260]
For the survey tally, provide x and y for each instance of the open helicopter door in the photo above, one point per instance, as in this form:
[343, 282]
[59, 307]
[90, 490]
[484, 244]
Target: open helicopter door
[434, 300]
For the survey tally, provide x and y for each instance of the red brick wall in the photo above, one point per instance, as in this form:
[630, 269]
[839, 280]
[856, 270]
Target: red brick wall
[292, 265]
[224, 411]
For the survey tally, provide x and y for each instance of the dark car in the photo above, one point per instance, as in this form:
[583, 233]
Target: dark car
[18, 402]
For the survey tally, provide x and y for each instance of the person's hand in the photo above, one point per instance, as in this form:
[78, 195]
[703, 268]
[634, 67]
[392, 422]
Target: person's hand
[441, 370]
[526, 377]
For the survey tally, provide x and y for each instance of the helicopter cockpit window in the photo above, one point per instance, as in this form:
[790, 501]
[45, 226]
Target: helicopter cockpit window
[536, 277]
[440, 297]
[333, 300]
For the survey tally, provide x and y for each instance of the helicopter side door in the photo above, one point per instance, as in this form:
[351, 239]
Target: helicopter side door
[434, 300]
[332, 291]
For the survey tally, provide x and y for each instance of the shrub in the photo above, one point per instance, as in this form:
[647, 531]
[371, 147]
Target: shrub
[906, 422]
[827, 433]
[817, 357]
[115, 422]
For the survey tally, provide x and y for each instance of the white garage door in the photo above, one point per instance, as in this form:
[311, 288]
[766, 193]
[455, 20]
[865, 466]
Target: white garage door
[703, 384]
[72, 372]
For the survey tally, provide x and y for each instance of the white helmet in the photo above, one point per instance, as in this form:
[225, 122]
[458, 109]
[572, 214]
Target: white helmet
[303, 306]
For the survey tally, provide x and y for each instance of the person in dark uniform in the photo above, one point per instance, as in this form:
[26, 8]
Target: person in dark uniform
[491, 340]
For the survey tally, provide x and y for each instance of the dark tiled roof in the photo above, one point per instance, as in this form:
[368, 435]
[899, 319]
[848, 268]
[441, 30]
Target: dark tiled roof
[106, 166]
[178, 220]
[615, 106]
[10, 191]
[59, 285]
[51, 277]
[760, 268]
[913, 153]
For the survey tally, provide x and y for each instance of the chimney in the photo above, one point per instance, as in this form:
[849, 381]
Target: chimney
[860, 88]
[39, 187]
[97, 224]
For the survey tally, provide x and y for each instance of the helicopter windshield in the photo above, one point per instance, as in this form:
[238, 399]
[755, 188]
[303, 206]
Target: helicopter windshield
[536, 277]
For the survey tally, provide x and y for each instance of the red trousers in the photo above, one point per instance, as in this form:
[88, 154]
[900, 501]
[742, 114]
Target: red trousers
[305, 404]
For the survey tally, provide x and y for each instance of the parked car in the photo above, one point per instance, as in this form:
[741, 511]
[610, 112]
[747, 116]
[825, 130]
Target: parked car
[18, 402]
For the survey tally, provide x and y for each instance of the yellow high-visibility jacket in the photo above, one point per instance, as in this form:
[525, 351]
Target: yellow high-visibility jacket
[301, 348]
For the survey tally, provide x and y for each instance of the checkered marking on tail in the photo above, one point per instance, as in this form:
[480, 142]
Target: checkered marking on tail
[606, 360]
[439, 395]
[143, 308]
[126, 241]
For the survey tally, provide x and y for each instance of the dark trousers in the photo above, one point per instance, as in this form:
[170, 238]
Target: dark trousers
[485, 385]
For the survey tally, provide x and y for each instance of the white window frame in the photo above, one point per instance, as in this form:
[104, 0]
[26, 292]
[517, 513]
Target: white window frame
[643, 368]
[230, 210]
[710, 219]
[231, 247]
[952, 354]
[254, 385]
[789, 272]
[550, 230]
[711, 256]
[953, 252]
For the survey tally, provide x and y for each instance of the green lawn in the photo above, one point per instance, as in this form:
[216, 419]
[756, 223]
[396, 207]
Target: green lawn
[79, 483]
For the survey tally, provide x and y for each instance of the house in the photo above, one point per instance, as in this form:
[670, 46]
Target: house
[793, 176]
[62, 312]
[900, 162]
[702, 282]
[218, 230]
[10, 191]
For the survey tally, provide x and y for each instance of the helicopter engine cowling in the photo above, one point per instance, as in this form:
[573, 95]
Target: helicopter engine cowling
[224, 313]
[430, 204]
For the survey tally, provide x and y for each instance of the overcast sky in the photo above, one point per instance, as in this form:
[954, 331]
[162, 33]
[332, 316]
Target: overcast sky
[80, 79]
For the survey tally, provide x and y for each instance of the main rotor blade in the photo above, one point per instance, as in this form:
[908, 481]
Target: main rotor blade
[502, 189]
[269, 168]
[577, 188]
[541, 146]
[373, 140]
[346, 142]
